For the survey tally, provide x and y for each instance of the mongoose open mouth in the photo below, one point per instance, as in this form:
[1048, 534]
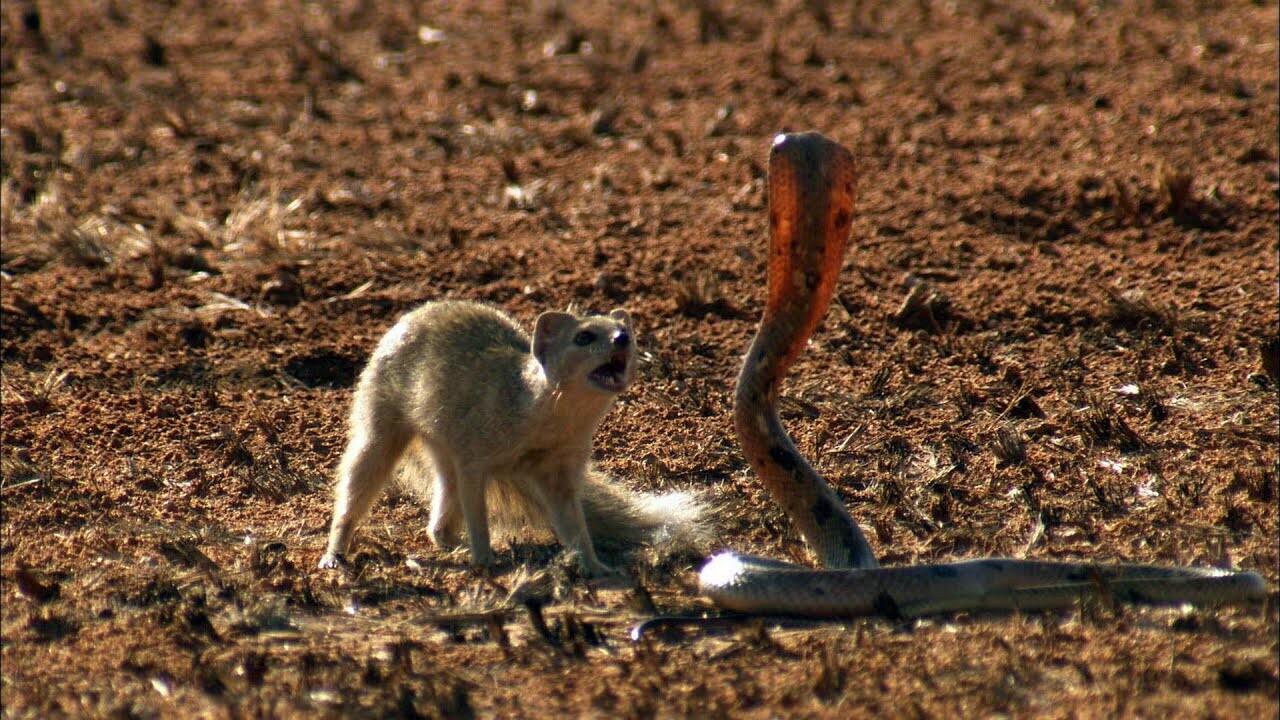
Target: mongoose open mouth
[611, 376]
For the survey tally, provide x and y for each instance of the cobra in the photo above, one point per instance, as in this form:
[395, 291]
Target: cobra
[812, 188]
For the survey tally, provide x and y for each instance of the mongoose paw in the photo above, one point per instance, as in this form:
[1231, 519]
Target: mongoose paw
[483, 559]
[596, 570]
[444, 537]
[332, 561]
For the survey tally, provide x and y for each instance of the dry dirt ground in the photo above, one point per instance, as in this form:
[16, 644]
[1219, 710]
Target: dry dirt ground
[212, 210]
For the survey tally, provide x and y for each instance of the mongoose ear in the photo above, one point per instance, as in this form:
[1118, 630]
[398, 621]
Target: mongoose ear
[621, 316]
[550, 325]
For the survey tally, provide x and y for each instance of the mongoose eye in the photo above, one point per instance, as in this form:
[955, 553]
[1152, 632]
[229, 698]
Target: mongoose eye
[584, 338]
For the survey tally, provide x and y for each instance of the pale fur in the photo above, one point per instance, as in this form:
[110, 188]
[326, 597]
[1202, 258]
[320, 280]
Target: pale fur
[493, 415]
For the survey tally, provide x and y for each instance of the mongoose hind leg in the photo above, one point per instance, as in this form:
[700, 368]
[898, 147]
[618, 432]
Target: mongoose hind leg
[366, 468]
[471, 499]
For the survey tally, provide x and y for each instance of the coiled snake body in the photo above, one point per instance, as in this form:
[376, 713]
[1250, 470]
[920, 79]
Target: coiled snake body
[812, 184]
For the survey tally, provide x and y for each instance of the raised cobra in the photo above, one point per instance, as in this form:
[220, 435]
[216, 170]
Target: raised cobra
[812, 184]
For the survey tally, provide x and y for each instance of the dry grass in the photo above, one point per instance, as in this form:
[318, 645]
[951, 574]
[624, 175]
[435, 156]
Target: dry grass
[1127, 207]
[1269, 358]
[1176, 186]
[1009, 446]
[924, 307]
[50, 229]
[35, 393]
[89, 240]
[700, 292]
[267, 222]
[18, 469]
[1135, 308]
[1101, 425]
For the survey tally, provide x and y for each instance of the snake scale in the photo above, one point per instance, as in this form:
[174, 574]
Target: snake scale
[812, 188]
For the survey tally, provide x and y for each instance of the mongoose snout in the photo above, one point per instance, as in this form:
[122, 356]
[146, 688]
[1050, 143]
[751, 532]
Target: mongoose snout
[612, 376]
[609, 337]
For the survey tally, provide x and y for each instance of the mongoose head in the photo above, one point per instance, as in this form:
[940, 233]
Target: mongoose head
[595, 352]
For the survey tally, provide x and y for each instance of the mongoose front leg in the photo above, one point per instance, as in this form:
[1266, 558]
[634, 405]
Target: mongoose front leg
[366, 468]
[560, 495]
[446, 515]
[445, 527]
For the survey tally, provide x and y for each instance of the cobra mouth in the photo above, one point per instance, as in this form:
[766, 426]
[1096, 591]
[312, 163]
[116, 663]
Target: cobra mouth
[611, 376]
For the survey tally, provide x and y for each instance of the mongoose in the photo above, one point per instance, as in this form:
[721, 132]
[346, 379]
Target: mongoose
[494, 413]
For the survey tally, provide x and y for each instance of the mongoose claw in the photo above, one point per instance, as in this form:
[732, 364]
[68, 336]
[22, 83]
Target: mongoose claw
[596, 570]
[444, 537]
[483, 559]
[333, 561]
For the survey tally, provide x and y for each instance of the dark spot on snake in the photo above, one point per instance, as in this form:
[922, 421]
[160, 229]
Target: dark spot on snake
[774, 218]
[783, 457]
[944, 571]
[1136, 597]
[829, 519]
[885, 605]
[842, 218]
[822, 510]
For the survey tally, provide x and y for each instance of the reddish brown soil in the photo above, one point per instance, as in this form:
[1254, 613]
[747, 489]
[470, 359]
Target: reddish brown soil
[211, 211]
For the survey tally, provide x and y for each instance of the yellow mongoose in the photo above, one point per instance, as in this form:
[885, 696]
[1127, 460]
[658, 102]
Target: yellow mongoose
[489, 409]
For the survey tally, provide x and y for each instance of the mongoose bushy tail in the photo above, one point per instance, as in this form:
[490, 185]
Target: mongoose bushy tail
[618, 516]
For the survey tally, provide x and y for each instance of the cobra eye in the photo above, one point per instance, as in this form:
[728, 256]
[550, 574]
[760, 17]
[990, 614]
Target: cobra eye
[584, 338]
